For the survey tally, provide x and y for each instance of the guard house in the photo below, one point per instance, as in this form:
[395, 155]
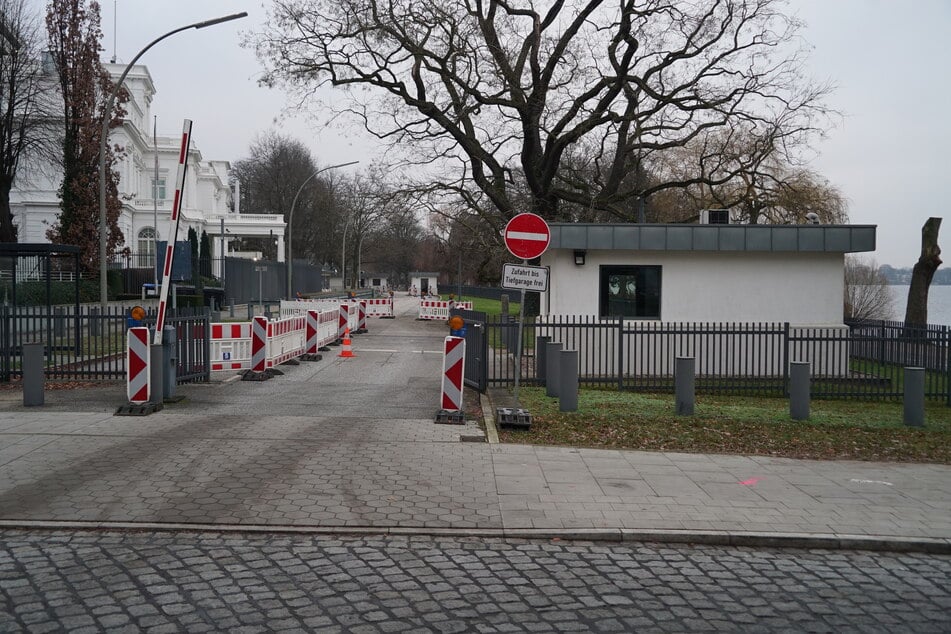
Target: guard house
[424, 283]
[645, 274]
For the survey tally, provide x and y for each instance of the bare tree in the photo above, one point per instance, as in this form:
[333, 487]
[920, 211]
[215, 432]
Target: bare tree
[25, 128]
[84, 86]
[867, 294]
[502, 97]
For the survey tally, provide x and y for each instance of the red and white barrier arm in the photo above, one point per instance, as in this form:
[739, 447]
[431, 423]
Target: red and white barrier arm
[173, 231]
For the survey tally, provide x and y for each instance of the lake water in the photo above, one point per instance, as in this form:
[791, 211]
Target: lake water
[939, 304]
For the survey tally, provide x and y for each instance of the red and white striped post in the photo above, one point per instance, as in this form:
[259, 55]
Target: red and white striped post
[259, 344]
[454, 362]
[344, 319]
[173, 231]
[139, 385]
[362, 316]
[311, 337]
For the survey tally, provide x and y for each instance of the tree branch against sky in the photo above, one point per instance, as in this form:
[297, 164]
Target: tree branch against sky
[25, 129]
[503, 93]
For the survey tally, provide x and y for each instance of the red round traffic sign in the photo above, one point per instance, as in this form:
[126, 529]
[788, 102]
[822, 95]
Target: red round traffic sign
[527, 236]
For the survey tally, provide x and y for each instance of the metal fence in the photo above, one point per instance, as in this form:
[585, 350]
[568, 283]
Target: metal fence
[863, 360]
[90, 345]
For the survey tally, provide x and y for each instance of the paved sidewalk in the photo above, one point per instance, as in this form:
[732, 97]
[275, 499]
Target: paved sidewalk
[350, 445]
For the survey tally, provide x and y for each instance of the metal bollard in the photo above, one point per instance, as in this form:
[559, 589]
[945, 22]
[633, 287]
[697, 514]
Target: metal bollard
[914, 400]
[170, 361]
[568, 381]
[231, 308]
[541, 356]
[684, 386]
[799, 394]
[156, 372]
[552, 350]
[33, 374]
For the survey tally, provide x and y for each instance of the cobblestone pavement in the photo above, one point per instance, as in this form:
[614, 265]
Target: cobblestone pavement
[190, 582]
[349, 443]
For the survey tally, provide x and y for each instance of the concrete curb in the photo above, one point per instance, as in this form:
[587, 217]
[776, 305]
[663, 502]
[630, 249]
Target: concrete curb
[491, 433]
[807, 541]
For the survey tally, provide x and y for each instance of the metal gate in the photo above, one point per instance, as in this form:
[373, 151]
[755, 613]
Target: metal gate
[477, 349]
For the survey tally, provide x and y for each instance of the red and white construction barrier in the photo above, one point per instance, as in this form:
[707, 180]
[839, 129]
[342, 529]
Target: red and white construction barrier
[231, 346]
[437, 309]
[361, 316]
[380, 307]
[139, 386]
[321, 330]
[454, 363]
[258, 344]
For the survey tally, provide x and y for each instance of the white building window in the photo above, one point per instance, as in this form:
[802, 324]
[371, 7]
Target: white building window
[158, 189]
[145, 253]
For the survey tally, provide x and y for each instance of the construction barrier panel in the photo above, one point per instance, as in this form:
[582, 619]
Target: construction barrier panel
[361, 316]
[380, 307]
[139, 385]
[231, 346]
[454, 363]
[437, 309]
[292, 308]
[285, 340]
[321, 330]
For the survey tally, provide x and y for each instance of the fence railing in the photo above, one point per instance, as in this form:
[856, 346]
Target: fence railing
[90, 345]
[856, 360]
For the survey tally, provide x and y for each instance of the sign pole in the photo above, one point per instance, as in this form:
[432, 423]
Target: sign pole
[526, 237]
[518, 350]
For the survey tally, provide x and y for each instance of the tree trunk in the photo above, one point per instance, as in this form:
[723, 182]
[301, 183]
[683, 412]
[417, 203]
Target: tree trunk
[916, 311]
[8, 232]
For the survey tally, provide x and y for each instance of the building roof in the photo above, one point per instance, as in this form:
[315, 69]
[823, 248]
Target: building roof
[681, 237]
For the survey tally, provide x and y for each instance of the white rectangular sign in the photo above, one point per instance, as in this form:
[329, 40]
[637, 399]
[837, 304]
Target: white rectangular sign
[521, 277]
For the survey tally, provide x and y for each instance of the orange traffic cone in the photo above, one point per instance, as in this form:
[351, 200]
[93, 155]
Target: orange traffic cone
[347, 351]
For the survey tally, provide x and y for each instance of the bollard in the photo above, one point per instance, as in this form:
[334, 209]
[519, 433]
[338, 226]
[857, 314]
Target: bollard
[156, 373]
[914, 400]
[684, 386]
[170, 361]
[799, 390]
[541, 354]
[231, 307]
[552, 350]
[33, 375]
[505, 307]
[568, 381]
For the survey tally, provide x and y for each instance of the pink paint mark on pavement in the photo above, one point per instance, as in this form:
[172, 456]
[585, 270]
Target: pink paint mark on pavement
[749, 482]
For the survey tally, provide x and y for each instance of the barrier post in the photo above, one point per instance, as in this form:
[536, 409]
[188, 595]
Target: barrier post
[684, 380]
[454, 363]
[33, 374]
[258, 344]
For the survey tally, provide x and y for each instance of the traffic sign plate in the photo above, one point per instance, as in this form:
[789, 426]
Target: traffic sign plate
[526, 278]
[527, 236]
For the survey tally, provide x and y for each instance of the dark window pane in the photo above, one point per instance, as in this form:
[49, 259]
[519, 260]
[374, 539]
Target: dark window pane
[630, 291]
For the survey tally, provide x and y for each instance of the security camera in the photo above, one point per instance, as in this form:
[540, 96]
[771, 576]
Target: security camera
[812, 217]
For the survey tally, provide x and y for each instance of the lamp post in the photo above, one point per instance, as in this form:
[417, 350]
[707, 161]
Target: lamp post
[106, 117]
[290, 224]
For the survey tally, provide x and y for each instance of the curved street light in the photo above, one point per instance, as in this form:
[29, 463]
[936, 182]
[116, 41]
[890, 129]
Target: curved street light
[290, 223]
[106, 117]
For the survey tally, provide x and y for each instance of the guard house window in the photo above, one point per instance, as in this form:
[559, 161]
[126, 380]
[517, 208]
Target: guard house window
[630, 291]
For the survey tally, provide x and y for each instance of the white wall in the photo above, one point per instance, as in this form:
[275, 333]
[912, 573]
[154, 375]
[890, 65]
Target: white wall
[800, 288]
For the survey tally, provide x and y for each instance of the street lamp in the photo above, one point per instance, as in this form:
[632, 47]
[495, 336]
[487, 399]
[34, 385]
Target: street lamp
[106, 117]
[290, 223]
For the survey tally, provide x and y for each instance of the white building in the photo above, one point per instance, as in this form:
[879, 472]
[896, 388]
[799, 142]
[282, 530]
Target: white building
[207, 195]
[742, 276]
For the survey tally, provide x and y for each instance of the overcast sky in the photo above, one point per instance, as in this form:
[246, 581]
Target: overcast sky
[891, 61]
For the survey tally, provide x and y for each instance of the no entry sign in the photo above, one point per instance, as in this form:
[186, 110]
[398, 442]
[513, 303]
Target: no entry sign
[527, 236]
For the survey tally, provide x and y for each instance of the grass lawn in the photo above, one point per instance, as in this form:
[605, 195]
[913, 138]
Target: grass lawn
[836, 429]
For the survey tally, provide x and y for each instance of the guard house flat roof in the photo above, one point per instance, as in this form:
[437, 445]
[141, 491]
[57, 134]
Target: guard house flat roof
[738, 238]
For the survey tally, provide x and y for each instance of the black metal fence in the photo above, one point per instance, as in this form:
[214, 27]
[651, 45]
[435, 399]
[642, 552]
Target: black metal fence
[862, 360]
[90, 345]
